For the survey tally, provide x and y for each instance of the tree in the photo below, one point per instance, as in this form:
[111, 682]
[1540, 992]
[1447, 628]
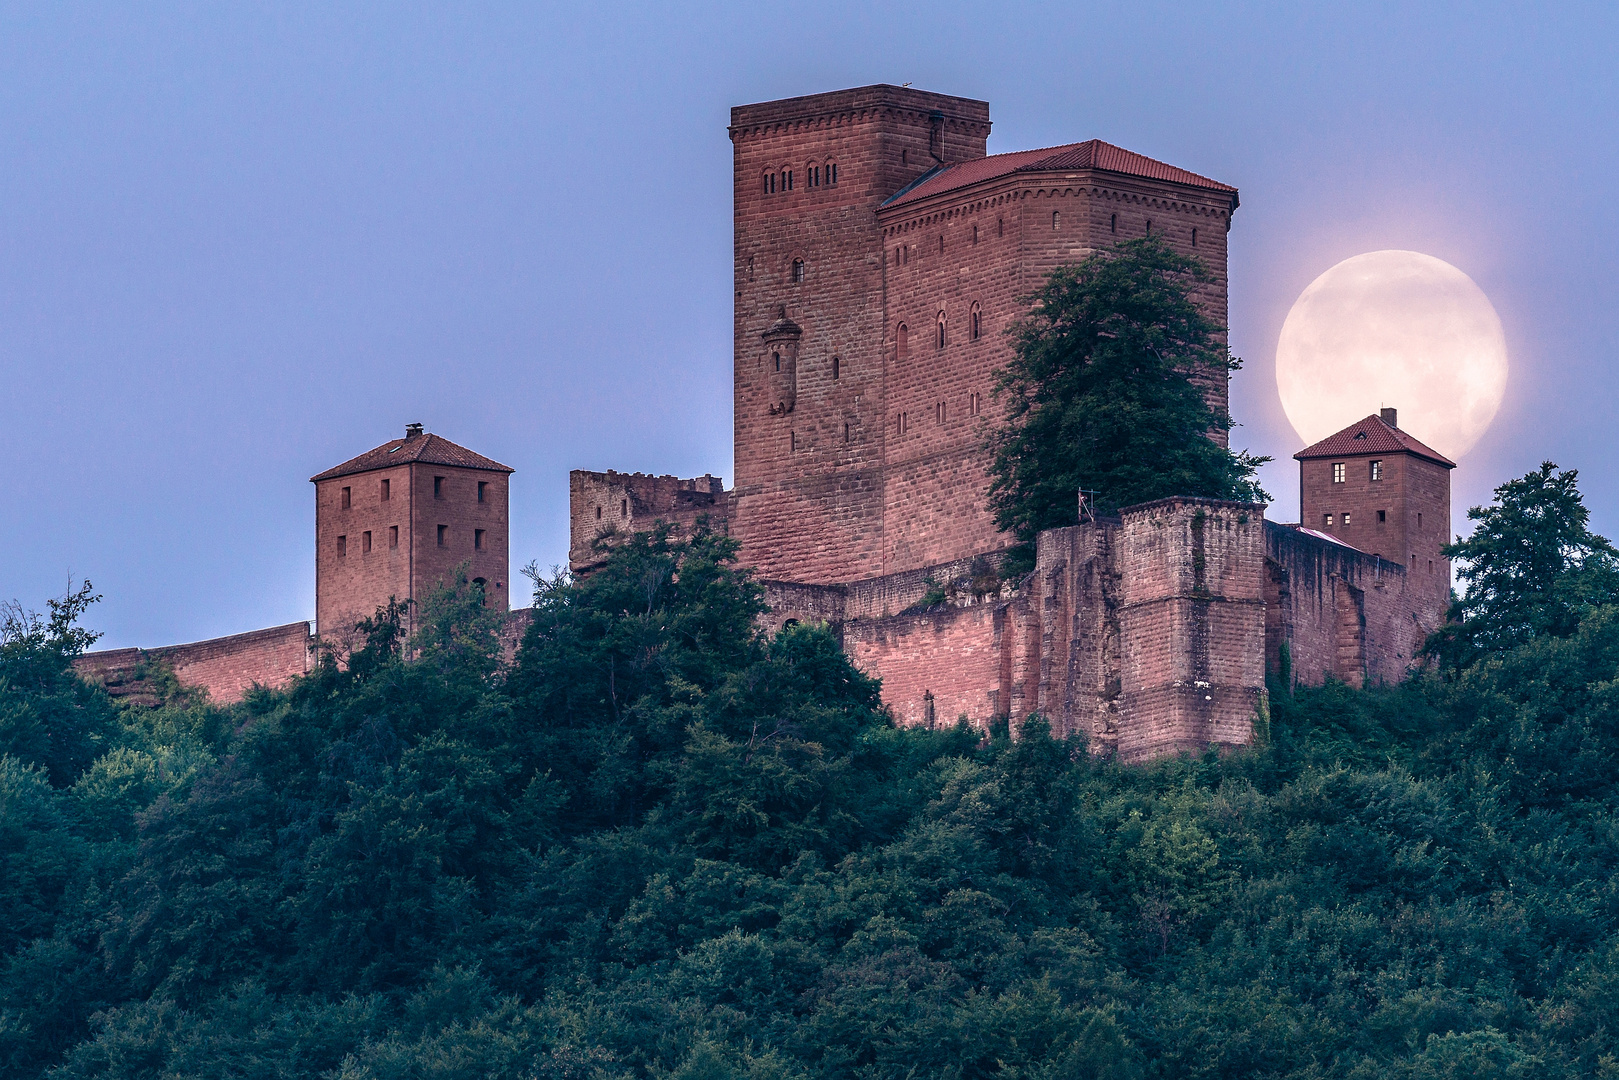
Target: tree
[1103, 393]
[1531, 567]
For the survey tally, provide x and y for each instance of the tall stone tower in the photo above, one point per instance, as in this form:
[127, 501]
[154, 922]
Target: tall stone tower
[399, 519]
[810, 173]
[1380, 490]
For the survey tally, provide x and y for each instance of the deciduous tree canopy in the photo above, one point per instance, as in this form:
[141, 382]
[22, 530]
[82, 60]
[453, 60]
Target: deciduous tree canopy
[660, 844]
[1102, 393]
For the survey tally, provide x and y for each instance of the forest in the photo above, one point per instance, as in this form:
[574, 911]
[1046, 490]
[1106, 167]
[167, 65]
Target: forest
[656, 842]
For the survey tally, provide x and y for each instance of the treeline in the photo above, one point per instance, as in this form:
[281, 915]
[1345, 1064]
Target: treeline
[659, 844]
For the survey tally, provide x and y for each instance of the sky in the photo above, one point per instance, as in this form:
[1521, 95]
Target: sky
[241, 243]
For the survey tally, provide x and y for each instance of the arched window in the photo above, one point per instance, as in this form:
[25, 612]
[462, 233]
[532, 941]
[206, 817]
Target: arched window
[812, 173]
[975, 234]
[770, 183]
[1113, 223]
[832, 173]
[941, 243]
[798, 271]
[975, 320]
[787, 185]
[835, 366]
[1194, 238]
[1149, 226]
[941, 335]
[777, 358]
[1056, 220]
[902, 341]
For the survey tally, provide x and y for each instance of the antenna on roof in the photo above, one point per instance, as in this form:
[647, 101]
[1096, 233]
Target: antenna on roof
[412, 430]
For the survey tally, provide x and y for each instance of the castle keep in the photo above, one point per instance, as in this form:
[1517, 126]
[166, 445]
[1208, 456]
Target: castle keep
[880, 255]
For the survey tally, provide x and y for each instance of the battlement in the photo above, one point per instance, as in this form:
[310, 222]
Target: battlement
[603, 505]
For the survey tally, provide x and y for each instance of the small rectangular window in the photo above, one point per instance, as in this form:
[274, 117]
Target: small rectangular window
[477, 539]
[438, 487]
[1326, 519]
[342, 546]
[1382, 516]
[365, 542]
[1346, 517]
[483, 486]
[393, 536]
[385, 495]
[443, 533]
[1337, 472]
[1377, 470]
[346, 500]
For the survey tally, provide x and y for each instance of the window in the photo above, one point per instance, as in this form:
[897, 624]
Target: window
[1326, 519]
[1346, 517]
[972, 404]
[1377, 470]
[1000, 226]
[834, 369]
[385, 487]
[1113, 223]
[483, 489]
[1337, 472]
[1194, 238]
[904, 157]
[443, 534]
[598, 513]
[941, 243]
[770, 183]
[777, 358]
[813, 175]
[750, 267]
[624, 508]
[393, 536]
[342, 546]
[1382, 516]
[941, 334]
[798, 271]
[845, 432]
[477, 539]
[832, 173]
[365, 542]
[1430, 566]
[792, 444]
[975, 322]
[902, 422]
[938, 412]
[788, 186]
[346, 498]
[975, 234]
[902, 340]
[1056, 220]
[438, 487]
[1149, 226]
[1419, 519]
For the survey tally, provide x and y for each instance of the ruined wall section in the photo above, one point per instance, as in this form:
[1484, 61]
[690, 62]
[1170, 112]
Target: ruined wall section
[1076, 589]
[607, 505]
[1342, 613]
[1192, 625]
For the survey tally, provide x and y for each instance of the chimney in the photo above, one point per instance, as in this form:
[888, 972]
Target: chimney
[414, 430]
[1390, 417]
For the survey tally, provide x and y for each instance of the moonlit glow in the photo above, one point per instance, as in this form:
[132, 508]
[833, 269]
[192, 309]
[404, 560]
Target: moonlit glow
[1394, 328]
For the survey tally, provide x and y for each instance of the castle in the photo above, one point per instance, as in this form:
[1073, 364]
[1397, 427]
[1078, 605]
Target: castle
[880, 254]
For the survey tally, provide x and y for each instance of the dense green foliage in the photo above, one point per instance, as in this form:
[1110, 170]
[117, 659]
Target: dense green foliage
[1102, 393]
[661, 845]
[1532, 568]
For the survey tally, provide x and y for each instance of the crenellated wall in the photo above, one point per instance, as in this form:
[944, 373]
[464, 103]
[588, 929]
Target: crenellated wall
[608, 504]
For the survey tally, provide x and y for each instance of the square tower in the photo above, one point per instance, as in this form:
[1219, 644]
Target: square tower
[809, 175]
[397, 520]
[1376, 488]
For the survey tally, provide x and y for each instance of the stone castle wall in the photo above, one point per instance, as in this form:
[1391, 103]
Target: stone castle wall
[226, 667]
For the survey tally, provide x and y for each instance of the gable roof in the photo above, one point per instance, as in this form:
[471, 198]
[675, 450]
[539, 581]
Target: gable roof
[1092, 154]
[426, 449]
[1372, 436]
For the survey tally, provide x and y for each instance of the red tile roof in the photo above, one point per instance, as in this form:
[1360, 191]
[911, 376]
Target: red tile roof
[1372, 436]
[428, 449]
[1093, 154]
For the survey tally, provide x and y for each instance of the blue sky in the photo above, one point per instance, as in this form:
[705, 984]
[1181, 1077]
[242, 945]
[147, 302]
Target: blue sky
[241, 243]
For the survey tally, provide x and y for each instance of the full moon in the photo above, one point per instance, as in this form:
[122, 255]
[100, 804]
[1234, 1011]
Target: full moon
[1394, 328]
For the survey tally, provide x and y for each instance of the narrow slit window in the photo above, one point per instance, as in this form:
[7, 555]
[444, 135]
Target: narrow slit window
[624, 508]
[598, 513]
[941, 334]
[1000, 226]
[975, 234]
[975, 322]
[789, 184]
[1194, 238]
[477, 539]
[443, 534]
[346, 499]
[798, 271]
[792, 444]
[483, 490]
[1382, 516]
[845, 432]
[832, 174]
[342, 546]
[365, 542]
[1149, 226]
[385, 489]
[393, 536]
[941, 243]
[438, 487]
[1113, 223]
[835, 364]
[1056, 220]
[902, 339]
[777, 358]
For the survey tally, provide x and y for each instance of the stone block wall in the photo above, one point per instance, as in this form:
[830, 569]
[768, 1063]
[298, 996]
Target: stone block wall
[226, 667]
[608, 504]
